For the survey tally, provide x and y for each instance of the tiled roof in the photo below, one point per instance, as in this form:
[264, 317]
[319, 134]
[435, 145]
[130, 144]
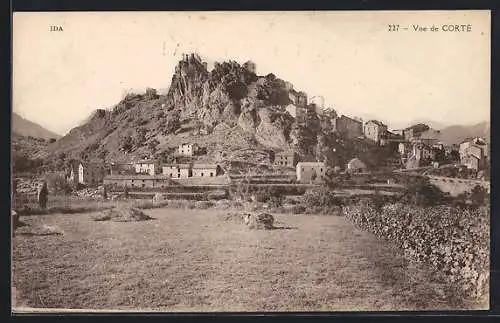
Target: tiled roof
[378, 123]
[204, 166]
[147, 161]
[310, 164]
[134, 177]
[176, 165]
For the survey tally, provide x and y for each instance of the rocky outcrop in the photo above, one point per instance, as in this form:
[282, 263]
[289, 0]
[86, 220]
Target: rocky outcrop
[249, 105]
[272, 128]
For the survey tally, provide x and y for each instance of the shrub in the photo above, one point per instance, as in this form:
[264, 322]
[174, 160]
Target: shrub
[421, 192]
[454, 241]
[58, 183]
[298, 209]
[479, 196]
[320, 197]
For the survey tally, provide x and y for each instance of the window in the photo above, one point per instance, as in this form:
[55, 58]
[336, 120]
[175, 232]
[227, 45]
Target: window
[178, 175]
[201, 174]
[321, 169]
[211, 174]
[143, 185]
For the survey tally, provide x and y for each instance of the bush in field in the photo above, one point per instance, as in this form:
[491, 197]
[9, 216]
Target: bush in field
[320, 197]
[58, 183]
[421, 192]
[454, 241]
[479, 196]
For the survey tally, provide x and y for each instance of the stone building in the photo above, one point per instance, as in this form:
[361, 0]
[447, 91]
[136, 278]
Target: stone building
[186, 149]
[177, 170]
[136, 181]
[205, 170]
[471, 162]
[285, 159]
[310, 171]
[349, 127]
[297, 98]
[374, 130]
[429, 137]
[147, 166]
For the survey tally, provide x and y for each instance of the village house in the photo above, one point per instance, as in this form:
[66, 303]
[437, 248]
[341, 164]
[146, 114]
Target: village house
[471, 162]
[187, 150]
[319, 104]
[476, 151]
[422, 151]
[310, 171]
[297, 98]
[477, 142]
[349, 127]
[177, 170]
[88, 173]
[399, 132]
[205, 170]
[285, 159]
[147, 166]
[404, 148]
[429, 137]
[136, 181]
[374, 130]
[355, 165]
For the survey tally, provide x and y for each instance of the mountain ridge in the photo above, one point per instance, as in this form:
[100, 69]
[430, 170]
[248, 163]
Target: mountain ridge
[24, 127]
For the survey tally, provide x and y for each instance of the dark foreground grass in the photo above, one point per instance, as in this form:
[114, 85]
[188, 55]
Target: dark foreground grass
[193, 260]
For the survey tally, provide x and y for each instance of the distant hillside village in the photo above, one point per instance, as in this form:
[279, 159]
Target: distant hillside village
[415, 147]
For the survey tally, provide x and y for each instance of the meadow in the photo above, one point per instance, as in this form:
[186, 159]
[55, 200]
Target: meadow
[195, 260]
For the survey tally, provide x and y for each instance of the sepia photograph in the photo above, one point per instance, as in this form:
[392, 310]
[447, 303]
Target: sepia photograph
[250, 161]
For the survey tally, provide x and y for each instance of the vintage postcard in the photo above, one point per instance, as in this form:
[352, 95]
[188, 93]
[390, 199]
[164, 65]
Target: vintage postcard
[250, 161]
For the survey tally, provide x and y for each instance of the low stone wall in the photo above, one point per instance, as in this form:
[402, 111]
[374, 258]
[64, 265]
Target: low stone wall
[456, 186]
[455, 242]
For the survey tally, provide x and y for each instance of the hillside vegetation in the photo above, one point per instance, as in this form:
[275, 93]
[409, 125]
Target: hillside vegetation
[230, 111]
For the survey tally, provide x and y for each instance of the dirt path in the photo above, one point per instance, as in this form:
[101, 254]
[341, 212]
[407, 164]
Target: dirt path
[190, 260]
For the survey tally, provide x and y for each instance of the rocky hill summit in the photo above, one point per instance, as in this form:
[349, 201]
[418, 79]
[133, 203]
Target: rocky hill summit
[230, 111]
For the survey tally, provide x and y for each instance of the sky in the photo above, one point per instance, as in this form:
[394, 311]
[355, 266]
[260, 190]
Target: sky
[350, 58]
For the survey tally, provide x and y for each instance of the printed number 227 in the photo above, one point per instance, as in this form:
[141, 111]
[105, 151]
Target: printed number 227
[393, 27]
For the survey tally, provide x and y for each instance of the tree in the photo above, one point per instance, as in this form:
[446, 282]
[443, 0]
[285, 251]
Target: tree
[421, 192]
[478, 195]
[102, 154]
[172, 124]
[43, 193]
[52, 140]
[127, 144]
[152, 146]
[140, 137]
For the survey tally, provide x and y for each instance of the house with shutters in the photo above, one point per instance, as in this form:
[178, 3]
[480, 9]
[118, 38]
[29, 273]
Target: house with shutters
[374, 130]
[285, 159]
[310, 171]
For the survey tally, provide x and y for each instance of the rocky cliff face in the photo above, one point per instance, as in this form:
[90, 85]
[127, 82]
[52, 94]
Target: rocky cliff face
[230, 111]
[251, 107]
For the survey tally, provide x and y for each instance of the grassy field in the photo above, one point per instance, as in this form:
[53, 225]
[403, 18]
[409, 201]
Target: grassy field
[191, 260]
